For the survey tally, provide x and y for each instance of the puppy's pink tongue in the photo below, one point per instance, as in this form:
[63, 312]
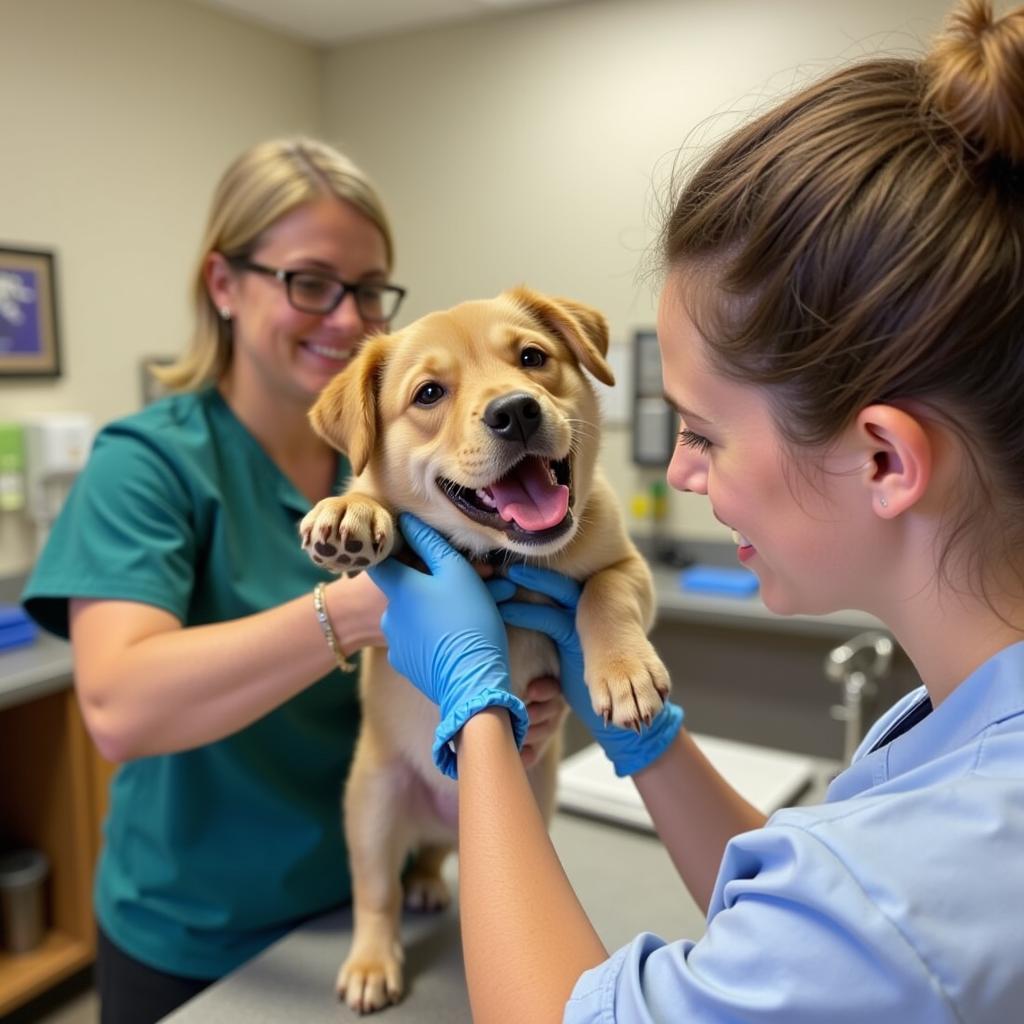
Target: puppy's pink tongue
[528, 497]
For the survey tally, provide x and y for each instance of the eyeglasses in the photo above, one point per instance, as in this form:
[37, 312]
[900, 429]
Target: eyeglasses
[320, 294]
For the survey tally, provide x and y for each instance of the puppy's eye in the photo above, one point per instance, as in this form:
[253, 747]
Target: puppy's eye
[532, 357]
[430, 393]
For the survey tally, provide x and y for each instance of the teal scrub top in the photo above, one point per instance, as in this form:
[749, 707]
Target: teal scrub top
[210, 854]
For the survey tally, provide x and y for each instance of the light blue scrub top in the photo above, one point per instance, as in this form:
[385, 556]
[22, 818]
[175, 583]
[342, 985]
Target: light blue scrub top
[898, 901]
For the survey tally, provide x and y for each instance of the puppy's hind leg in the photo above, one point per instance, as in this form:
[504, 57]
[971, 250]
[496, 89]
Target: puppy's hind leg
[378, 842]
[543, 778]
[425, 888]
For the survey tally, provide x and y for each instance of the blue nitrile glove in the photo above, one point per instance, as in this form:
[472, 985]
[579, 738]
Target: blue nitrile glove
[628, 751]
[445, 635]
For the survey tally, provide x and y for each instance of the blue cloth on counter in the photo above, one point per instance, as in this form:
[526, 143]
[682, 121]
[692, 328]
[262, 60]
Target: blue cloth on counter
[888, 903]
[16, 628]
[718, 580]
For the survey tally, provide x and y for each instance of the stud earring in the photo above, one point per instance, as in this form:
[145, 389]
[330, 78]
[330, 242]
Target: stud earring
[224, 313]
[883, 501]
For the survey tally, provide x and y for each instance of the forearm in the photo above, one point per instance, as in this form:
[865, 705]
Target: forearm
[695, 811]
[526, 939]
[154, 687]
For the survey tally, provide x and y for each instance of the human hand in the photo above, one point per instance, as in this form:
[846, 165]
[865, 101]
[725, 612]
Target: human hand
[547, 710]
[445, 636]
[628, 751]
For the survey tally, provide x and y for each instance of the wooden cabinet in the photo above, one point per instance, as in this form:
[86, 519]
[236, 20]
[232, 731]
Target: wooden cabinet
[52, 796]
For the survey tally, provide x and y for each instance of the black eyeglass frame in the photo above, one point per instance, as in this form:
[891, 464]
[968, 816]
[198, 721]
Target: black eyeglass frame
[355, 288]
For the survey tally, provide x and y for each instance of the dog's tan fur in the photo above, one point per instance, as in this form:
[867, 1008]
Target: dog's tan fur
[396, 801]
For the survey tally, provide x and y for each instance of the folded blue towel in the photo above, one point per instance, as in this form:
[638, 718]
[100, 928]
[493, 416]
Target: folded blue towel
[722, 582]
[16, 627]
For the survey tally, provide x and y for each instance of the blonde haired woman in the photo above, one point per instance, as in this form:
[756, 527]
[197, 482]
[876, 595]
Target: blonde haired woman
[202, 660]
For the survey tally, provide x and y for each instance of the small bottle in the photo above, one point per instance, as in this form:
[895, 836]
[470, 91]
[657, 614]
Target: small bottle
[12, 467]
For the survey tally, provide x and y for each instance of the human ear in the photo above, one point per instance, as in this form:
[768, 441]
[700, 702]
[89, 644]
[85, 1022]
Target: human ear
[899, 456]
[220, 282]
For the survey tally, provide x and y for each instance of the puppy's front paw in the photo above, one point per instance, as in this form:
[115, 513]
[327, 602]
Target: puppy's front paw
[371, 979]
[628, 687]
[347, 533]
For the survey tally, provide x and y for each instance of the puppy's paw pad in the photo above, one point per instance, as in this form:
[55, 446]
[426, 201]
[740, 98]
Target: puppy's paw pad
[347, 534]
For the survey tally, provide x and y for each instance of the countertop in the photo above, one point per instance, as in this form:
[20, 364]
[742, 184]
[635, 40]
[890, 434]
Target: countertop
[31, 670]
[623, 887]
[625, 881]
[34, 670]
[749, 612]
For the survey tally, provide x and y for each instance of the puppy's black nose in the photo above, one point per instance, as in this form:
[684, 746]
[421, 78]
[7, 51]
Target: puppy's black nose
[514, 417]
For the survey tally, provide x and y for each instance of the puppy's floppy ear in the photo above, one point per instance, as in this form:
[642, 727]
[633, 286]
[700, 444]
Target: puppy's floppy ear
[581, 327]
[345, 414]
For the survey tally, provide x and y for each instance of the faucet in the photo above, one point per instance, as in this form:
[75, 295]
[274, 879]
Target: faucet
[859, 665]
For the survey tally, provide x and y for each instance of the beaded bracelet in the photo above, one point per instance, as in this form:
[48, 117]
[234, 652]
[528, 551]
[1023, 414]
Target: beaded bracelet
[328, 630]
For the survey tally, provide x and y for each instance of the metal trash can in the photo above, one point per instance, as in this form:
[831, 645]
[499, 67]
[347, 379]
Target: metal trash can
[22, 890]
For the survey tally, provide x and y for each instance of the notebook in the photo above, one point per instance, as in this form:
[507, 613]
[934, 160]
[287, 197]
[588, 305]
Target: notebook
[767, 778]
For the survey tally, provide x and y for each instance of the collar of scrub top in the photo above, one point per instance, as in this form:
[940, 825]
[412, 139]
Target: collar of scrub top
[917, 712]
[992, 693]
[287, 493]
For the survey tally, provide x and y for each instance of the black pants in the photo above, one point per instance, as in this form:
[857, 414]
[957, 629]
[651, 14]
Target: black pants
[132, 993]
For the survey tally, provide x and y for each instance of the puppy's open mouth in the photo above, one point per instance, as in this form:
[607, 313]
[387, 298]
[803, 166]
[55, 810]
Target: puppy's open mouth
[532, 501]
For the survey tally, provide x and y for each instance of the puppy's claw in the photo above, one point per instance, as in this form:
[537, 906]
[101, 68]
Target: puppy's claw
[369, 984]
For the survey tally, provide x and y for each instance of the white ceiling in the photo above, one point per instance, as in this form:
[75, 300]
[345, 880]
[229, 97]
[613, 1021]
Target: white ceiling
[329, 22]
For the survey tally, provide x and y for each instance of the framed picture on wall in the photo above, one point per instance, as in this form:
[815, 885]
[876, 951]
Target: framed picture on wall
[29, 342]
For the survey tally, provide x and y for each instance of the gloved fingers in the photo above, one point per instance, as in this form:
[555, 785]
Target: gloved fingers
[501, 589]
[387, 576]
[638, 752]
[546, 581]
[554, 622]
[426, 542]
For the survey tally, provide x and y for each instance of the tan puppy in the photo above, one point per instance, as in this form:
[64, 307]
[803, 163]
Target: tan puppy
[480, 421]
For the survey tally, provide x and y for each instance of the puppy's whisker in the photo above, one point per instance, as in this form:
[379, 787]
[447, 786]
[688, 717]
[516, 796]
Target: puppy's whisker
[583, 427]
[577, 441]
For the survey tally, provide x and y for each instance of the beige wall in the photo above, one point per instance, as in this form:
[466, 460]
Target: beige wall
[119, 116]
[535, 147]
[528, 147]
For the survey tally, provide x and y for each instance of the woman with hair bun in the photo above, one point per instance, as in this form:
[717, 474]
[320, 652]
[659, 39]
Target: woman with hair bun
[842, 332]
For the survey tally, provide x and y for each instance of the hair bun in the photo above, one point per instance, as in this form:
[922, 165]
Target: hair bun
[975, 80]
